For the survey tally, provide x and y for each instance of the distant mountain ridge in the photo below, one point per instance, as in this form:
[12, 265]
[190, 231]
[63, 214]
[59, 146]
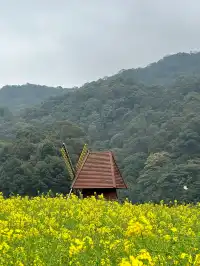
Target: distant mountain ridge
[165, 71]
[17, 97]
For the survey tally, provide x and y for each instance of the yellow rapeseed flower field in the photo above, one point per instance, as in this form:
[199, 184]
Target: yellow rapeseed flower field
[57, 231]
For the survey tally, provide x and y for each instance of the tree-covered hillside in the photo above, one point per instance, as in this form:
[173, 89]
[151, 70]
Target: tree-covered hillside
[166, 70]
[19, 97]
[151, 121]
[30, 159]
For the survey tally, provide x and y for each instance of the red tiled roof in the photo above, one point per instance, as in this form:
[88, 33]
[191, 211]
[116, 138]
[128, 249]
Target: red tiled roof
[98, 170]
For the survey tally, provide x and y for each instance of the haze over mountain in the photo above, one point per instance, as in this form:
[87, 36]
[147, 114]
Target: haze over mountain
[163, 72]
[17, 97]
[149, 117]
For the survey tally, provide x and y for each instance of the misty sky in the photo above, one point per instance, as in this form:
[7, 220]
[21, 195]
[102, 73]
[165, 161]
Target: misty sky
[70, 42]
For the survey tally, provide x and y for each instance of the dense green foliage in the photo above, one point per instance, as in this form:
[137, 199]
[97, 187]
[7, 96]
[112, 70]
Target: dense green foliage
[19, 97]
[149, 117]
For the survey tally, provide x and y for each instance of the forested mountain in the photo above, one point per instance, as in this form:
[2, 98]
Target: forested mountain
[19, 97]
[166, 70]
[149, 117]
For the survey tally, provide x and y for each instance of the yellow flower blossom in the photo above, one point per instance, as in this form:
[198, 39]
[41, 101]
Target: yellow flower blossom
[76, 247]
[183, 255]
[145, 255]
[134, 228]
[167, 237]
[81, 232]
[131, 262]
[173, 229]
[197, 260]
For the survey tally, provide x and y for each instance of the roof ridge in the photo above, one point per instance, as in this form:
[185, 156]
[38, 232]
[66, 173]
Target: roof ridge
[80, 168]
[112, 169]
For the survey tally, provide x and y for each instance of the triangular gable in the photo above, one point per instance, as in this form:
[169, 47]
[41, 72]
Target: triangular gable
[98, 170]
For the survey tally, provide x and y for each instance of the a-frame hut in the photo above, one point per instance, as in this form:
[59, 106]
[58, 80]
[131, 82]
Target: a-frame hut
[99, 173]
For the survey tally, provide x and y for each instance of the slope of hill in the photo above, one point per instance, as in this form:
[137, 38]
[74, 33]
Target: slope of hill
[166, 70]
[154, 130]
[30, 160]
[19, 97]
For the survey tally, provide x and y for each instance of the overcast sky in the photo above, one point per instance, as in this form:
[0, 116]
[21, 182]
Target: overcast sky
[70, 42]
